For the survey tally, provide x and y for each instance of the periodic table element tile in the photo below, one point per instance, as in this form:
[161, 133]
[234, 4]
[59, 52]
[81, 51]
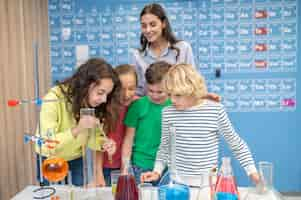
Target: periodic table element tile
[69, 52]
[245, 14]
[273, 102]
[120, 36]
[204, 48]
[67, 6]
[217, 47]
[205, 32]
[275, 64]
[231, 64]
[67, 20]
[275, 46]
[107, 38]
[273, 86]
[54, 21]
[231, 31]
[259, 103]
[259, 86]
[246, 30]
[288, 86]
[245, 87]
[93, 36]
[216, 87]
[275, 13]
[217, 15]
[245, 102]
[246, 2]
[260, 47]
[289, 12]
[189, 16]
[260, 1]
[245, 64]
[231, 87]
[190, 32]
[275, 29]
[81, 36]
[289, 46]
[56, 37]
[262, 30]
[215, 3]
[231, 47]
[53, 7]
[260, 13]
[289, 29]
[288, 102]
[217, 31]
[80, 20]
[94, 20]
[245, 47]
[231, 15]
[289, 63]
[204, 16]
[231, 2]
[55, 67]
[68, 67]
[94, 51]
[218, 63]
[231, 103]
[204, 64]
[56, 54]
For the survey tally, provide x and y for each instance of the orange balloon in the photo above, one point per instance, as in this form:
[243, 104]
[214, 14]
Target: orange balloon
[55, 169]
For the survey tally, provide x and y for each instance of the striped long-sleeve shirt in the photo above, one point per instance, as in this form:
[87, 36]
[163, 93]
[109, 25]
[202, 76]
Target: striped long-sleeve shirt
[197, 139]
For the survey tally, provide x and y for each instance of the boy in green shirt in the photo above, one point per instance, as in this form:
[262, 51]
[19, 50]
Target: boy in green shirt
[143, 121]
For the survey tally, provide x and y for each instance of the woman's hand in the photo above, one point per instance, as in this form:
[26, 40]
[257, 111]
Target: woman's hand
[149, 177]
[109, 146]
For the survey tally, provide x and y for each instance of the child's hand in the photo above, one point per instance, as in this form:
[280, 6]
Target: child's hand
[255, 178]
[149, 177]
[213, 97]
[85, 122]
[109, 146]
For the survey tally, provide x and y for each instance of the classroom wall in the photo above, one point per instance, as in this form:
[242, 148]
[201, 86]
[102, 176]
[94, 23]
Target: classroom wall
[21, 24]
[254, 43]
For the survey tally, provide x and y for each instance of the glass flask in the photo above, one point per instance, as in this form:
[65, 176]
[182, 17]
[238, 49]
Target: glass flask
[54, 168]
[126, 186]
[265, 189]
[173, 190]
[226, 188]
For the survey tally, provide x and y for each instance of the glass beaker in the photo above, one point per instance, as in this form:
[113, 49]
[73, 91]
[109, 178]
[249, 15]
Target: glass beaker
[265, 189]
[147, 191]
[88, 140]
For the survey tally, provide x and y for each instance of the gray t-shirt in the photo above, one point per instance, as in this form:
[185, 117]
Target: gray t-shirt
[141, 60]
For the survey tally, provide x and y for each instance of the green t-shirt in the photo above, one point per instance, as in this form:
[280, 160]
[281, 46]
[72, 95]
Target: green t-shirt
[145, 117]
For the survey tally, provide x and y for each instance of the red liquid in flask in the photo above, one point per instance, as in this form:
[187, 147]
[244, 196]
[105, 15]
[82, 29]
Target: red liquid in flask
[126, 188]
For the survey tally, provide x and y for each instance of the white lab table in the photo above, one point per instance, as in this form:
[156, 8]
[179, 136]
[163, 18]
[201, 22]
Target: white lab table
[75, 193]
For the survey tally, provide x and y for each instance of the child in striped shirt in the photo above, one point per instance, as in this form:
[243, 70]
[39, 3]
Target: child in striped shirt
[198, 123]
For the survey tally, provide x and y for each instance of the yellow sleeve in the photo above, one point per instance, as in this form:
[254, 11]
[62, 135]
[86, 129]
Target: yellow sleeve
[51, 115]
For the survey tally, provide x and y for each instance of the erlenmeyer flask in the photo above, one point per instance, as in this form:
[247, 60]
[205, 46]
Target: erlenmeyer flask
[265, 190]
[226, 188]
[126, 186]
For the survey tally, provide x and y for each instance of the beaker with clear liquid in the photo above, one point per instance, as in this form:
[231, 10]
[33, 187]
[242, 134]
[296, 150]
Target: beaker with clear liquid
[265, 189]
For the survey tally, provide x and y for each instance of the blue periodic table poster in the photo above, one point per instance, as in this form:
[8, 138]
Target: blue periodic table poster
[252, 43]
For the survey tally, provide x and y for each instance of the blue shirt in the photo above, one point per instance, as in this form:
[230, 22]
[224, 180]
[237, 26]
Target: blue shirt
[141, 60]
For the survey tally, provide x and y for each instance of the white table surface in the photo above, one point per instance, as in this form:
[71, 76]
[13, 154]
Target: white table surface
[65, 193]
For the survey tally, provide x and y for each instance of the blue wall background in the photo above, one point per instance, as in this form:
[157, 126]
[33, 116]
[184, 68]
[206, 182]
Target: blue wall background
[259, 86]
